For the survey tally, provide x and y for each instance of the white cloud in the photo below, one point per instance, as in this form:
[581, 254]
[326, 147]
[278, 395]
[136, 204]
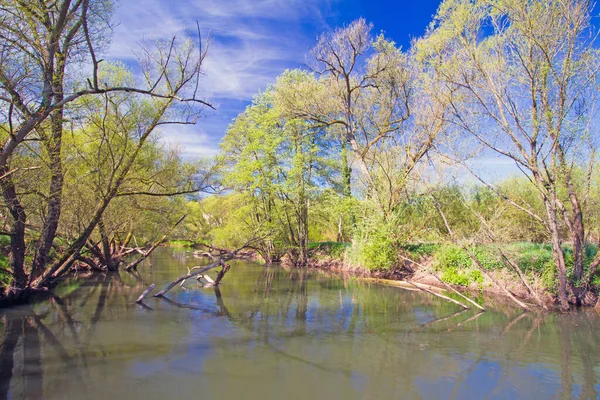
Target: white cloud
[190, 140]
[252, 41]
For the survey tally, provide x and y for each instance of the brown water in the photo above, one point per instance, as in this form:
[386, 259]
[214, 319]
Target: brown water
[271, 333]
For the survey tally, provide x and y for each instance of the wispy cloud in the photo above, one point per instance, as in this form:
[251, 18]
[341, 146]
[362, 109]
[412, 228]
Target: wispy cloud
[252, 41]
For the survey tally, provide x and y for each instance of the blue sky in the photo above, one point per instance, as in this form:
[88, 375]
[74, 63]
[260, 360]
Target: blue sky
[252, 42]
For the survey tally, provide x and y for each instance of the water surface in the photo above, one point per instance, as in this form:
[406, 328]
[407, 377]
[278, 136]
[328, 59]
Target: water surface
[272, 333]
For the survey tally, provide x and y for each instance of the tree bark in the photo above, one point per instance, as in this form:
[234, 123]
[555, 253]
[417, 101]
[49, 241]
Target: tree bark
[558, 254]
[145, 293]
[107, 255]
[17, 236]
[53, 146]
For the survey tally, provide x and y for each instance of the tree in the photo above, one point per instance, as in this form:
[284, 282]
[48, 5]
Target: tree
[371, 96]
[42, 45]
[276, 161]
[522, 75]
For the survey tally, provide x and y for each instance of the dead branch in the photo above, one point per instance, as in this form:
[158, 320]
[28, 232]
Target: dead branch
[444, 283]
[441, 296]
[506, 259]
[221, 274]
[221, 262]
[474, 259]
[187, 276]
[147, 253]
[145, 293]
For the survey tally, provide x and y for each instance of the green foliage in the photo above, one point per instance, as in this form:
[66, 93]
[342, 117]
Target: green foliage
[330, 249]
[532, 257]
[421, 249]
[549, 277]
[376, 252]
[455, 276]
[595, 281]
[457, 267]
[487, 257]
[4, 241]
[450, 256]
[5, 278]
[180, 243]
[374, 246]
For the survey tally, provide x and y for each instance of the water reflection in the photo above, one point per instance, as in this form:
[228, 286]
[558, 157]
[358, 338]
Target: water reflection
[276, 333]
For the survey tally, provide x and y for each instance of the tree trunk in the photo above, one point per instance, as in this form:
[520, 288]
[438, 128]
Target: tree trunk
[558, 254]
[53, 146]
[17, 237]
[578, 237]
[346, 172]
[106, 249]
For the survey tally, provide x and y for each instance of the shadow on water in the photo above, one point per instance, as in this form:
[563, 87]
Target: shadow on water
[274, 333]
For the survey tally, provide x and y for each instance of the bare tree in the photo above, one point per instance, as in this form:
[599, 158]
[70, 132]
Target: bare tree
[522, 75]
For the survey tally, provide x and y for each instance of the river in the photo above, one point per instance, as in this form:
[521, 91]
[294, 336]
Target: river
[275, 333]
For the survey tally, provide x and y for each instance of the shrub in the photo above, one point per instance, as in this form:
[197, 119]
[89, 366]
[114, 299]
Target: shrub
[5, 241]
[420, 249]
[457, 267]
[331, 249]
[532, 257]
[5, 278]
[450, 256]
[487, 257]
[454, 276]
[375, 252]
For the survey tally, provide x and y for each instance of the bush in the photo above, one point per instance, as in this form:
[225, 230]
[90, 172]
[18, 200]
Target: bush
[420, 249]
[331, 249]
[5, 278]
[375, 251]
[5, 241]
[450, 256]
[532, 257]
[457, 267]
[454, 276]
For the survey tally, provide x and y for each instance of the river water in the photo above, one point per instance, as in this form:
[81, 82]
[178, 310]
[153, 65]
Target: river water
[272, 333]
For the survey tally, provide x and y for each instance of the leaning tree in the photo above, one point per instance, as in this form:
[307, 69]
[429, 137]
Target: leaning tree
[44, 47]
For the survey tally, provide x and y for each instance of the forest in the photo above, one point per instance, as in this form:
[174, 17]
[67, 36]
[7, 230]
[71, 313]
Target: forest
[387, 161]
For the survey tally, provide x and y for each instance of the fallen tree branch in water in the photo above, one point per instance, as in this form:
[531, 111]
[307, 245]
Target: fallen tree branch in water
[147, 253]
[145, 293]
[444, 283]
[188, 276]
[441, 296]
[474, 259]
[201, 270]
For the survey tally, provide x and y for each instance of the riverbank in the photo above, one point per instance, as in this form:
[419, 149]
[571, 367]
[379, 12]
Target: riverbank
[447, 268]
